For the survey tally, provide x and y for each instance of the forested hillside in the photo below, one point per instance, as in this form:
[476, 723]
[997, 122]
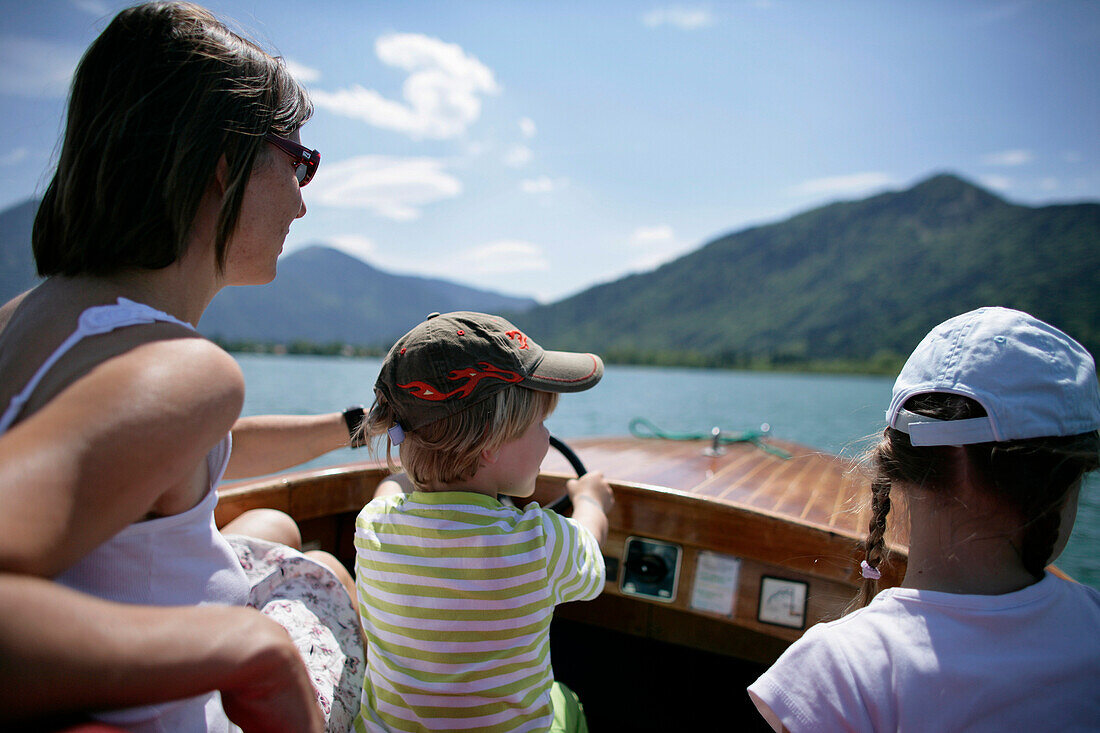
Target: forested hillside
[851, 284]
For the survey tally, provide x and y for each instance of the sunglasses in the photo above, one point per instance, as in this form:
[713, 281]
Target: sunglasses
[305, 161]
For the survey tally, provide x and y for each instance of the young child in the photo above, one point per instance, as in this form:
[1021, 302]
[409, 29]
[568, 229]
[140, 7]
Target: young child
[992, 427]
[457, 590]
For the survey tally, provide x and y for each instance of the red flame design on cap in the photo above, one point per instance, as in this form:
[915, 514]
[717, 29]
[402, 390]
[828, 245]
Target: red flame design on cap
[517, 336]
[473, 375]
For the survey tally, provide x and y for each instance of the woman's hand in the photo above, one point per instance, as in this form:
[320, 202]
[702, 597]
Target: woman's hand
[62, 651]
[270, 690]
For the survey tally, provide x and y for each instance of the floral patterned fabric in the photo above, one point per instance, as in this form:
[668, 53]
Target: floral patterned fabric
[306, 599]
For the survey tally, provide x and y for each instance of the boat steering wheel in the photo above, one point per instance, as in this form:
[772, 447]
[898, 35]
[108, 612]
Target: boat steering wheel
[564, 505]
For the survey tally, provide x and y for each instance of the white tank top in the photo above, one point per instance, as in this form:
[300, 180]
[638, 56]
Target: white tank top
[179, 560]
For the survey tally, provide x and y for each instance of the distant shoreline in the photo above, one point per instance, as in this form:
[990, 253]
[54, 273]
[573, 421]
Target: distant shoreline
[886, 364]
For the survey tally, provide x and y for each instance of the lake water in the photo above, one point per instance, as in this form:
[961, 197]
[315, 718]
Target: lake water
[838, 414]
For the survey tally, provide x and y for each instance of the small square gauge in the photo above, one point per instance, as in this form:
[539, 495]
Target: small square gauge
[651, 569]
[782, 602]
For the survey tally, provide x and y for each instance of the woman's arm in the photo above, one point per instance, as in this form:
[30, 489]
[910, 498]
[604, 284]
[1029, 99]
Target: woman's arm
[270, 443]
[114, 445]
[63, 651]
[94, 459]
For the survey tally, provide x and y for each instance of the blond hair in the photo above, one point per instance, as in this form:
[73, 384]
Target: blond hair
[449, 450]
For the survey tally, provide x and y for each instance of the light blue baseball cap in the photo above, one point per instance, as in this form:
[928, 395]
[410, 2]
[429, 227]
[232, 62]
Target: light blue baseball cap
[1033, 380]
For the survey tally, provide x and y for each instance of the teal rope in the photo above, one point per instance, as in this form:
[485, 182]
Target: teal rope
[724, 438]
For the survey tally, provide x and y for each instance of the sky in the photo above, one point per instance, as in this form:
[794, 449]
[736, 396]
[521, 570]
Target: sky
[538, 148]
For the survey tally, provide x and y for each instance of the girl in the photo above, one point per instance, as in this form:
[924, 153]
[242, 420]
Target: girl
[992, 426]
[180, 173]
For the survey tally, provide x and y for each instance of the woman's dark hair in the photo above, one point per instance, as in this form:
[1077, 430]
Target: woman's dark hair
[159, 97]
[1033, 476]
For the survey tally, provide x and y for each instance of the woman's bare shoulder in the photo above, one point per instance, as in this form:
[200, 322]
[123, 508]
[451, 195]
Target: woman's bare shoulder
[179, 369]
[8, 309]
[170, 359]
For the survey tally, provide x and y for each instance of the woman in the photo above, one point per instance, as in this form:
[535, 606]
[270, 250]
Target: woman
[180, 174]
[992, 427]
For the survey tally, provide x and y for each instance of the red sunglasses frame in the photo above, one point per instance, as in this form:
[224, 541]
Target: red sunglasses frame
[305, 160]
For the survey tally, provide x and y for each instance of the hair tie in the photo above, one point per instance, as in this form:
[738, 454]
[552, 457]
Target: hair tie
[396, 433]
[869, 572]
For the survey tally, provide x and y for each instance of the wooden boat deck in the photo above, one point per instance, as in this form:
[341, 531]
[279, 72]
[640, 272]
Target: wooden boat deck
[799, 520]
[812, 487]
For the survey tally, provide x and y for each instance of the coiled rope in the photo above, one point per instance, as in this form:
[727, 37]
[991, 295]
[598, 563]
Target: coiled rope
[716, 436]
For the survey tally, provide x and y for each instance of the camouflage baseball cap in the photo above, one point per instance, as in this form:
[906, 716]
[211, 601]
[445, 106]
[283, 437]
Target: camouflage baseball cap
[449, 362]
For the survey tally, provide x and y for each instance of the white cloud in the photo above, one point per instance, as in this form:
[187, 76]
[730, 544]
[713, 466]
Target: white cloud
[649, 235]
[33, 68]
[476, 148]
[506, 255]
[1049, 184]
[304, 74]
[442, 94]
[396, 188]
[854, 183]
[527, 127]
[355, 245]
[684, 18]
[518, 156]
[16, 156]
[997, 183]
[543, 184]
[654, 246]
[479, 266]
[1008, 158]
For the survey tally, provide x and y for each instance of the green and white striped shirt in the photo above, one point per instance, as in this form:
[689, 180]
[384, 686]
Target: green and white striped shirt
[456, 592]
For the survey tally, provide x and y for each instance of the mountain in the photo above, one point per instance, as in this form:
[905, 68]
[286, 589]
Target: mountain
[323, 295]
[856, 282]
[850, 285]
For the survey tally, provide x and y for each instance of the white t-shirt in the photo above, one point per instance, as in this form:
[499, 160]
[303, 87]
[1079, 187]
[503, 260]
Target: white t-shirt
[928, 661]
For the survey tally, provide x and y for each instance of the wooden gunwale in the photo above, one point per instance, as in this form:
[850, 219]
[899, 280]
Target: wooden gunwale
[746, 504]
[811, 488]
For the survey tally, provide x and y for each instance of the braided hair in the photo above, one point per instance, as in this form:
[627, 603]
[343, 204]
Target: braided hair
[1033, 476]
